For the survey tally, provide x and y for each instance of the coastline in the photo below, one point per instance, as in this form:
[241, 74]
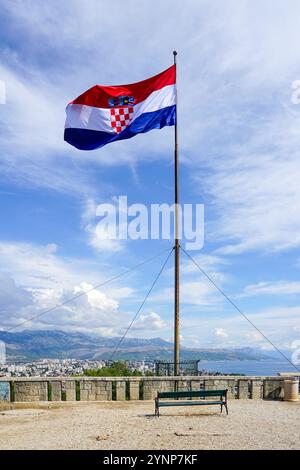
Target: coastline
[247, 367]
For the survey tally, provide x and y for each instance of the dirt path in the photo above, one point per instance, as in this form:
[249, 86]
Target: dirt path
[131, 425]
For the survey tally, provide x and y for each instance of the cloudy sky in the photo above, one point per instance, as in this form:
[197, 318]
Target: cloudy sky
[239, 133]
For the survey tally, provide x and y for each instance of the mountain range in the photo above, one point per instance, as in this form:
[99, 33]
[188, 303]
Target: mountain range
[31, 345]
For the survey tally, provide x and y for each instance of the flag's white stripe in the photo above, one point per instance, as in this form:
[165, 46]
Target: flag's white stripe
[81, 116]
[157, 100]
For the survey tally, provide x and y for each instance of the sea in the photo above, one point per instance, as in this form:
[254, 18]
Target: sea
[248, 367]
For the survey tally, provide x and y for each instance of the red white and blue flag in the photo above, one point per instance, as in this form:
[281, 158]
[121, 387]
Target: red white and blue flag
[104, 114]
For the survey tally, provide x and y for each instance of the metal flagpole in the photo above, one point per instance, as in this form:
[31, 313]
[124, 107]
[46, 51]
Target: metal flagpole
[177, 245]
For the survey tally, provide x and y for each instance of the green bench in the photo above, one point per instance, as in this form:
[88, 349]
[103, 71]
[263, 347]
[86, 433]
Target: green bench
[202, 394]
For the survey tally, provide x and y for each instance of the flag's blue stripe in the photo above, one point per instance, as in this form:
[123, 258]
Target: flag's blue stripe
[85, 139]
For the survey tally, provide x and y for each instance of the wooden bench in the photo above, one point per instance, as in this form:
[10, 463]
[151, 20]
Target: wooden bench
[220, 394]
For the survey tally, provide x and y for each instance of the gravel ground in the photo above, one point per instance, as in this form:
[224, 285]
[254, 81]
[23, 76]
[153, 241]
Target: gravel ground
[253, 424]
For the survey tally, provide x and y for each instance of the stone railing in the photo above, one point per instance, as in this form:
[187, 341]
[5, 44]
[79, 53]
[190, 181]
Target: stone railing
[56, 389]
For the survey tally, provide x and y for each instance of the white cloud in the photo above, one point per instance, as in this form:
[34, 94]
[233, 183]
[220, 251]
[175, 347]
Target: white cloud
[120, 292]
[149, 321]
[272, 288]
[258, 194]
[98, 238]
[35, 278]
[101, 311]
[94, 312]
[96, 299]
[210, 263]
[280, 324]
[221, 332]
[31, 126]
[100, 242]
[253, 161]
[39, 266]
[13, 298]
[195, 288]
[198, 292]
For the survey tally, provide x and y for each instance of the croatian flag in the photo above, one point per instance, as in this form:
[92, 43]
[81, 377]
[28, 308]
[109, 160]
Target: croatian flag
[104, 114]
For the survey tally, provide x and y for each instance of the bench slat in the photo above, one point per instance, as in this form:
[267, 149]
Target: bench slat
[189, 403]
[192, 394]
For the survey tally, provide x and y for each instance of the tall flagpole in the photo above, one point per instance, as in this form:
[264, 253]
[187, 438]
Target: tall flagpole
[177, 245]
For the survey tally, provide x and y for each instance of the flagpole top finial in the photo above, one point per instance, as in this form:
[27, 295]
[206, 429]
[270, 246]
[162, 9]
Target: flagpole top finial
[174, 53]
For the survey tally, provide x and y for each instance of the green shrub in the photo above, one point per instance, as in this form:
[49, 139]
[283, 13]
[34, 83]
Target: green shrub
[116, 369]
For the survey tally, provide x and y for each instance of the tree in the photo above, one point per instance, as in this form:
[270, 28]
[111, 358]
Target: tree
[116, 369]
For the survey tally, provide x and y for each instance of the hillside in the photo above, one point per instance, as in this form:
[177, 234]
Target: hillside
[36, 344]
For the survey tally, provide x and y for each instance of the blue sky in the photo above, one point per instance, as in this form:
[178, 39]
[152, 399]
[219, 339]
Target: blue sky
[239, 152]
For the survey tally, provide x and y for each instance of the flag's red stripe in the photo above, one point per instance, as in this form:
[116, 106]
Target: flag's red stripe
[99, 95]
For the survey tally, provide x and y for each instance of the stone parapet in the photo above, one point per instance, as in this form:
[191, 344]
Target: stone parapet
[30, 389]
[95, 390]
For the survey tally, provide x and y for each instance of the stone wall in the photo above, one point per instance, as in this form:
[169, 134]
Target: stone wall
[95, 389]
[133, 388]
[31, 391]
[4, 391]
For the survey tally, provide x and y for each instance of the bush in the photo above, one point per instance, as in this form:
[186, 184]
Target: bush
[116, 369]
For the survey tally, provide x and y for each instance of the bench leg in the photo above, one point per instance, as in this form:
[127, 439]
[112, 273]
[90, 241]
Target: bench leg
[156, 408]
[226, 408]
[222, 408]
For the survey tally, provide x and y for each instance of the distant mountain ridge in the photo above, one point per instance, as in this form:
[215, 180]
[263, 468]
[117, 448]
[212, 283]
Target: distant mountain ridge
[31, 345]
